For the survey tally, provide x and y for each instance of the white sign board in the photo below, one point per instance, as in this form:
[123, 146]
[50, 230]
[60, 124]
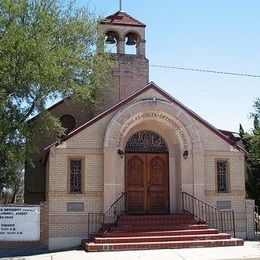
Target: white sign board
[19, 223]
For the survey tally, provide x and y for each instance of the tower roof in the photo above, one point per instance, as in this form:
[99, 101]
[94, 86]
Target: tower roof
[122, 18]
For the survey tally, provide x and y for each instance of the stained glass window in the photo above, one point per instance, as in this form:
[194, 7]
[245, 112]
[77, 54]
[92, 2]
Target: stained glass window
[75, 175]
[222, 175]
[146, 141]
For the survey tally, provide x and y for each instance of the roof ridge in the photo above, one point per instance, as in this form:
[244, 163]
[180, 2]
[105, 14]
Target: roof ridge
[132, 17]
[113, 17]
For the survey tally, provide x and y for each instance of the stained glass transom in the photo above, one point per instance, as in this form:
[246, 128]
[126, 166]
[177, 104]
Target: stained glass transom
[75, 176]
[146, 141]
[222, 170]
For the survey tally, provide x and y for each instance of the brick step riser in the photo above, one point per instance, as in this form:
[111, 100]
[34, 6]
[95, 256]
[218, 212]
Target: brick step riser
[158, 216]
[155, 218]
[149, 223]
[163, 233]
[159, 228]
[160, 239]
[91, 247]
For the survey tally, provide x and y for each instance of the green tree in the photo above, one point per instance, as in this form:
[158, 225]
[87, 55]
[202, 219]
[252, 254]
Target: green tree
[12, 185]
[252, 144]
[47, 51]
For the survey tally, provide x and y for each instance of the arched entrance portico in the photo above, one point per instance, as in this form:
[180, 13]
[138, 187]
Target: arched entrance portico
[180, 134]
[146, 174]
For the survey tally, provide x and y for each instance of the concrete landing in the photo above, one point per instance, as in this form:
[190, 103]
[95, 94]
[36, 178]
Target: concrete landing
[250, 250]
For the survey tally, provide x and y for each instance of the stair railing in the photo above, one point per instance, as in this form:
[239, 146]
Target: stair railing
[221, 219]
[256, 218]
[98, 223]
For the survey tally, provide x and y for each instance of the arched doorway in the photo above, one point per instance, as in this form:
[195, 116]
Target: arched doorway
[147, 174]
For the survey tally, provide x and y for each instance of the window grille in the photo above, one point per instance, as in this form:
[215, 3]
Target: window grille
[75, 175]
[222, 176]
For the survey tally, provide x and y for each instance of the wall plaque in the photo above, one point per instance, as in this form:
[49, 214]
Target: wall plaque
[75, 206]
[224, 204]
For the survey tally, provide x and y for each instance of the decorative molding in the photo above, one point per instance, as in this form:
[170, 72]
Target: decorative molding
[211, 193]
[65, 194]
[79, 151]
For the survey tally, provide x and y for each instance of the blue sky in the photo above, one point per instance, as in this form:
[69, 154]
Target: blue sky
[222, 35]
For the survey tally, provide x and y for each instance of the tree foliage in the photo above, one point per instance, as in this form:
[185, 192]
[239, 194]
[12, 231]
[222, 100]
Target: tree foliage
[252, 144]
[12, 185]
[47, 51]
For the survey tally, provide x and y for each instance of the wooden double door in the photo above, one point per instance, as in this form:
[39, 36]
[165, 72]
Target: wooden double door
[147, 183]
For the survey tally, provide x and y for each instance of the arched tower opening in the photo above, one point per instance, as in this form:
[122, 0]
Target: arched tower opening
[132, 41]
[112, 41]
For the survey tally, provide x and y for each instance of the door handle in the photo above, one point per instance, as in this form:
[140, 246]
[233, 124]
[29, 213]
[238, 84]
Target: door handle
[148, 186]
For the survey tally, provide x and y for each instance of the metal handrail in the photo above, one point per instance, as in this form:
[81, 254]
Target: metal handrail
[98, 223]
[256, 214]
[223, 220]
[114, 204]
[256, 218]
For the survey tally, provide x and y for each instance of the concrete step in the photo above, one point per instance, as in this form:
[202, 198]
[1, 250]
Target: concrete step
[158, 232]
[161, 233]
[136, 239]
[157, 222]
[168, 216]
[92, 247]
[132, 228]
[156, 218]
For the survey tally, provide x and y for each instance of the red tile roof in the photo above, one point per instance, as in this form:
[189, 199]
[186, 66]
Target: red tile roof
[122, 18]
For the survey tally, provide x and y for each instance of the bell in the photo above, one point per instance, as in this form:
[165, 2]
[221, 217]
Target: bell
[110, 39]
[131, 39]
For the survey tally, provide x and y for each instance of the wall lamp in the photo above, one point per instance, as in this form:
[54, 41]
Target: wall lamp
[185, 154]
[121, 153]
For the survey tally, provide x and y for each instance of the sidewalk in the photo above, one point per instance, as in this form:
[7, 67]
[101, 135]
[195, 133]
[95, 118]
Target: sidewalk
[251, 250]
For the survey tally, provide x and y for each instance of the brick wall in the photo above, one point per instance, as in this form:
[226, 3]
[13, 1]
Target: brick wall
[35, 175]
[72, 225]
[130, 75]
[250, 219]
[216, 148]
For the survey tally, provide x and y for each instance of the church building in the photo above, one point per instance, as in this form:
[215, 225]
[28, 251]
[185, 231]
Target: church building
[143, 145]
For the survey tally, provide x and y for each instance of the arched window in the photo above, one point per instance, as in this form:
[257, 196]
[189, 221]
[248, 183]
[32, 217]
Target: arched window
[146, 141]
[68, 122]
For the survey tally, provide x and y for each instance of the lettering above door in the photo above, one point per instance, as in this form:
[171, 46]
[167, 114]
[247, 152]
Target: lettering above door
[154, 115]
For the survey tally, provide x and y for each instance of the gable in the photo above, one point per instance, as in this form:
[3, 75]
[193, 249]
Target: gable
[151, 91]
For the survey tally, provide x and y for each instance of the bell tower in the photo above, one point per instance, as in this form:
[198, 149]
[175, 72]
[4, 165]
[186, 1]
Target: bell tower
[123, 32]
